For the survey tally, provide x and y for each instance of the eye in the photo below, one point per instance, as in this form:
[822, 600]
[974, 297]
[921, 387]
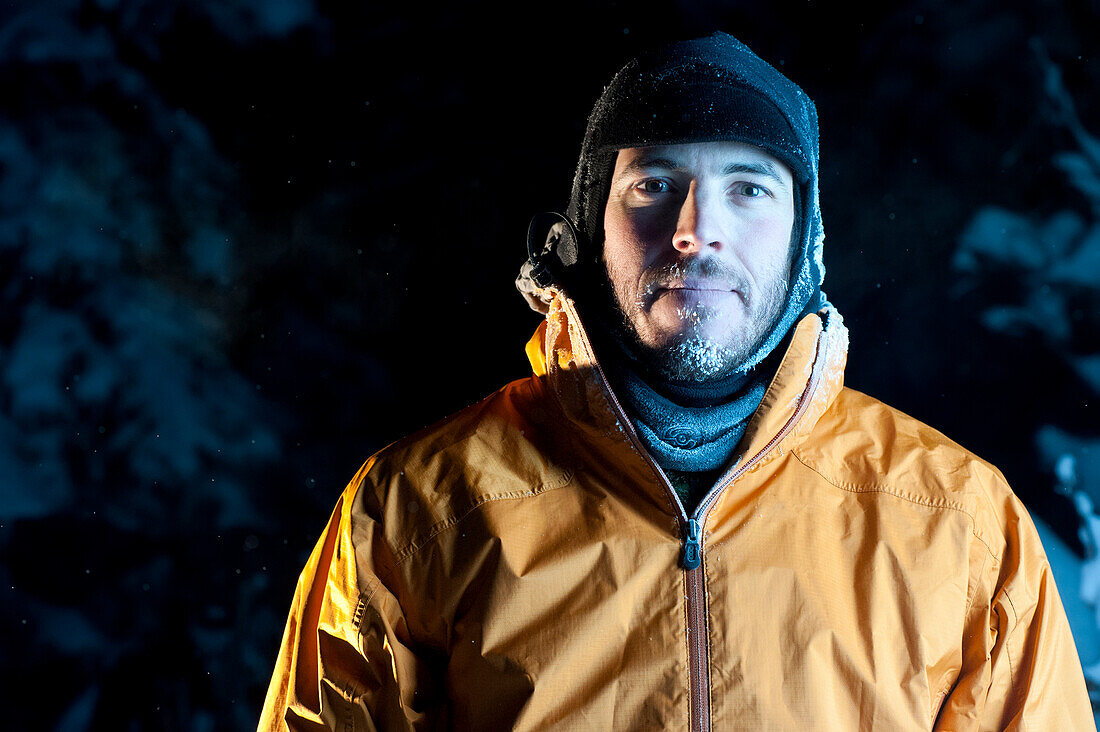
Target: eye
[653, 185]
[751, 190]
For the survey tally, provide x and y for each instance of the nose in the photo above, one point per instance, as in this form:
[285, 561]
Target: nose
[696, 226]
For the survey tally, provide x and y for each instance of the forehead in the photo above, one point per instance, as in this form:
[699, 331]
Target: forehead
[718, 157]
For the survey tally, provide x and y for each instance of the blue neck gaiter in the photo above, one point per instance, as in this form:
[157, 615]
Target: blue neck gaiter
[691, 427]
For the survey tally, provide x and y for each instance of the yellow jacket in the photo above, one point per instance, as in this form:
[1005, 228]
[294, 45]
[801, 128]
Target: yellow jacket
[521, 565]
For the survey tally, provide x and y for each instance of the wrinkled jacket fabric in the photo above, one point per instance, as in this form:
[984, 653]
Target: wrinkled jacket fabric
[518, 566]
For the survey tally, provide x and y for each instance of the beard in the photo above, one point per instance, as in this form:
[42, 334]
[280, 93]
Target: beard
[697, 353]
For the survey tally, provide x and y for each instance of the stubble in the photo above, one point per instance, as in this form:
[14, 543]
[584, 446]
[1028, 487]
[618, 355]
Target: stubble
[696, 354]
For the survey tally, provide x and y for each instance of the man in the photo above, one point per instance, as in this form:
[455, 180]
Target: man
[682, 519]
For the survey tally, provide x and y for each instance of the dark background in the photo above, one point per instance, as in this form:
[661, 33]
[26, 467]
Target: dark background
[245, 244]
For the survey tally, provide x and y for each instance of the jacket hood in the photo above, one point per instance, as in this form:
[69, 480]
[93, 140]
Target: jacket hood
[701, 90]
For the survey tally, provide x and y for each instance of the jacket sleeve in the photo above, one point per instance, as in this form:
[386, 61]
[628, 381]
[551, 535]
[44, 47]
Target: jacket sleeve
[1020, 669]
[347, 661]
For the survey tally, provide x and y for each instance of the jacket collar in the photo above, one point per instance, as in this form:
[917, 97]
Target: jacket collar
[808, 379]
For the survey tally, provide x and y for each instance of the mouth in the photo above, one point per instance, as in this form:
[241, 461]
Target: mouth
[698, 284]
[677, 288]
[688, 289]
[711, 299]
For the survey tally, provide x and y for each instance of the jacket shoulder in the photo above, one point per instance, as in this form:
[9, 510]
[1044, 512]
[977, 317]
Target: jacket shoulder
[861, 444]
[495, 449]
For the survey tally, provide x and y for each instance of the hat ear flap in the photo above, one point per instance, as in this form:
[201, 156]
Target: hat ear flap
[553, 246]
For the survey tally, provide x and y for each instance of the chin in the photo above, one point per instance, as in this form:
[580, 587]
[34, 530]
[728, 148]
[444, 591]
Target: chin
[698, 359]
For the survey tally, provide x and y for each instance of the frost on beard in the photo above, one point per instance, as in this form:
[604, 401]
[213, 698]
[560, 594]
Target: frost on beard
[697, 359]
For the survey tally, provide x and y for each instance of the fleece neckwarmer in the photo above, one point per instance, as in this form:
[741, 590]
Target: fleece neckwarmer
[691, 427]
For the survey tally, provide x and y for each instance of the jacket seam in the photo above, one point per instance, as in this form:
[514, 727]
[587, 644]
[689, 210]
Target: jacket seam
[361, 606]
[946, 689]
[970, 600]
[1012, 605]
[887, 490]
[937, 706]
[351, 695]
[1008, 646]
[412, 548]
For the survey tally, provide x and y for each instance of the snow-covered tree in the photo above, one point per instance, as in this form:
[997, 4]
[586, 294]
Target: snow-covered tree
[1048, 269]
[130, 445]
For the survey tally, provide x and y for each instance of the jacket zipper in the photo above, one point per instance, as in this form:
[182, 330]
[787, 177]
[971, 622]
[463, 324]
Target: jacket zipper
[696, 585]
[691, 557]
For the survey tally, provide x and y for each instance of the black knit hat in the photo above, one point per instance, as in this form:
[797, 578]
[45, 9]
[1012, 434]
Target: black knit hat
[702, 90]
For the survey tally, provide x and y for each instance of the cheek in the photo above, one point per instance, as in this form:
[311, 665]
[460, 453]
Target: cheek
[770, 244]
[616, 232]
[623, 246]
[636, 235]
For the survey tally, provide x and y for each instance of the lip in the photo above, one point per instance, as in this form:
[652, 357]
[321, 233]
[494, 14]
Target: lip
[696, 289]
[699, 284]
[696, 296]
[691, 287]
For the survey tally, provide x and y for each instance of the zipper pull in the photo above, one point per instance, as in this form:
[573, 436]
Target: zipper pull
[692, 556]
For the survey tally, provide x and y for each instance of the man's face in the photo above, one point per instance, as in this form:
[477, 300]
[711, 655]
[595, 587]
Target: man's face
[697, 247]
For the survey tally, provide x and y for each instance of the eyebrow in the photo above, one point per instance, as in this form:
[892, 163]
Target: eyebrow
[761, 168]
